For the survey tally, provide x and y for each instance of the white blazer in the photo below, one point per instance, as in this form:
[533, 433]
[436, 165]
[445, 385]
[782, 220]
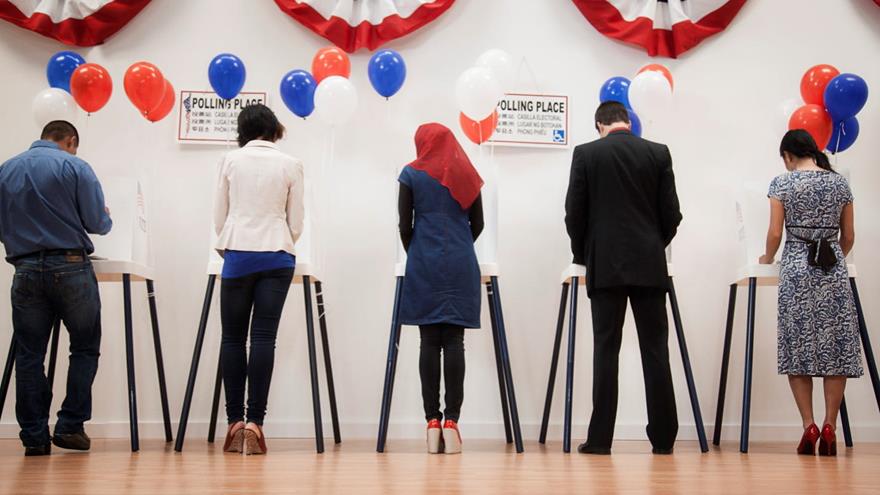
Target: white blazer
[258, 205]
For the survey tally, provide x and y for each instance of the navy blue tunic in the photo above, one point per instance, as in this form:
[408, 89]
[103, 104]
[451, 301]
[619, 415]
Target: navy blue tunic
[442, 282]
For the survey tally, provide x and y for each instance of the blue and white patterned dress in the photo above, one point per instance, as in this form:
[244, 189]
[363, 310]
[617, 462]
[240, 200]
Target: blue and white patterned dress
[818, 324]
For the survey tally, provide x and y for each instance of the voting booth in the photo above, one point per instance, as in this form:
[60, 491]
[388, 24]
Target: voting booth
[752, 218]
[122, 255]
[486, 248]
[573, 277]
[309, 260]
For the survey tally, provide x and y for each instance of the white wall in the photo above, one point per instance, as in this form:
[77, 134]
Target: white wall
[728, 92]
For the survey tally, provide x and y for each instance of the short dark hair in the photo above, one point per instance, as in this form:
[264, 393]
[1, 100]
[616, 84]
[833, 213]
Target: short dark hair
[258, 122]
[610, 112]
[59, 130]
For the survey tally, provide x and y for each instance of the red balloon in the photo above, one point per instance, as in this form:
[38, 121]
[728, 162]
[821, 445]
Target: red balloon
[659, 68]
[91, 86]
[478, 132]
[165, 107]
[145, 86]
[815, 120]
[330, 61]
[814, 82]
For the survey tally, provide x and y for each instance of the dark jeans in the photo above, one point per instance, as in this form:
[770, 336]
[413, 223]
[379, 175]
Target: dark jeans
[609, 312]
[44, 290]
[449, 339]
[254, 301]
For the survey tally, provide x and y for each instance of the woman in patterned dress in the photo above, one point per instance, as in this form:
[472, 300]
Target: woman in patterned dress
[818, 326]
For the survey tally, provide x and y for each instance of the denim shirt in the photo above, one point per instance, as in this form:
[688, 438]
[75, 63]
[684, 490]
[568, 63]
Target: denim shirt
[49, 199]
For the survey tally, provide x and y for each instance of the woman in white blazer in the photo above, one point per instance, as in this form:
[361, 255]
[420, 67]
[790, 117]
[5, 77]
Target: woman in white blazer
[258, 217]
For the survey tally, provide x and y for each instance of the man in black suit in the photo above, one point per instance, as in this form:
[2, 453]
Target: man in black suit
[621, 212]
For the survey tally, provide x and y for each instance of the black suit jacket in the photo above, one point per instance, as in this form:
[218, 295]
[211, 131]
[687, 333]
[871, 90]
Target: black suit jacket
[621, 211]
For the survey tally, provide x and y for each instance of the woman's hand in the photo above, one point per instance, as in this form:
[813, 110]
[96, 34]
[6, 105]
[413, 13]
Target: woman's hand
[766, 259]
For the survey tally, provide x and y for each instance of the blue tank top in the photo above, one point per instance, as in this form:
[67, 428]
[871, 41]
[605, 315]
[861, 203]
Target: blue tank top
[241, 263]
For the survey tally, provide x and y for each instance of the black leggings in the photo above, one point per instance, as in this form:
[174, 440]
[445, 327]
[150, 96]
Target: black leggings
[449, 339]
[254, 301]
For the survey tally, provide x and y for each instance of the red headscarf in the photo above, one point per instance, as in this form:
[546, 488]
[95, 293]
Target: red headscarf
[441, 157]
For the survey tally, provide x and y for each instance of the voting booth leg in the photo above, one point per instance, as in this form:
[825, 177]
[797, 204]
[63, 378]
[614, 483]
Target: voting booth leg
[688, 371]
[328, 368]
[747, 378]
[129, 363]
[505, 360]
[866, 343]
[53, 353]
[7, 373]
[569, 370]
[215, 399]
[194, 366]
[554, 365]
[844, 420]
[160, 362]
[502, 388]
[725, 364]
[313, 365]
[390, 367]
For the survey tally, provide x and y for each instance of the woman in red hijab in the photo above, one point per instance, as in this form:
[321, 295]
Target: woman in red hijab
[441, 289]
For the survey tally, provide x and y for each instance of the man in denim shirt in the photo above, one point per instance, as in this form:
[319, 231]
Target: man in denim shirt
[50, 201]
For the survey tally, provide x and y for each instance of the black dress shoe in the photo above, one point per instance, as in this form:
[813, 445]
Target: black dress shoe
[40, 450]
[72, 441]
[587, 449]
[657, 451]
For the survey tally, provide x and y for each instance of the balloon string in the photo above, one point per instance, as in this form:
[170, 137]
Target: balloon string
[837, 144]
[524, 64]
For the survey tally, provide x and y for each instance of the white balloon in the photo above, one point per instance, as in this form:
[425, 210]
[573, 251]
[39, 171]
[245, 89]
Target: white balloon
[477, 91]
[53, 104]
[336, 100]
[650, 95]
[502, 66]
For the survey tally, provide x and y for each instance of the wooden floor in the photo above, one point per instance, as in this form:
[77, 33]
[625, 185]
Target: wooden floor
[486, 467]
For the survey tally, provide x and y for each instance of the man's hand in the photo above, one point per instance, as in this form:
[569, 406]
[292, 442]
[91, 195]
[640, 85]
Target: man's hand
[107, 211]
[766, 259]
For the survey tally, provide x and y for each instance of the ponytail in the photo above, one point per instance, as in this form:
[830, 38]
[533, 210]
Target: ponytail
[799, 143]
[822, 161]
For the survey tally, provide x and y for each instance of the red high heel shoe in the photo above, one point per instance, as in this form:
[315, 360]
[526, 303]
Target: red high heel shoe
[828, 441]
[808, 441]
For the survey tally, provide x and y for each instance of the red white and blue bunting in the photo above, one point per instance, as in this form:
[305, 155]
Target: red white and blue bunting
[665, 28]
[355, 24]
[72, 22]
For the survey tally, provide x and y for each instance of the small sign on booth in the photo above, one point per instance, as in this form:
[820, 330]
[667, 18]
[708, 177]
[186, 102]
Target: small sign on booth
[534, 120]
[205, 118]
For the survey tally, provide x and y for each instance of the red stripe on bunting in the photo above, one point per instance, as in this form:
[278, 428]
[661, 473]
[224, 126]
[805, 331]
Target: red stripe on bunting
[657, 42]
[90, 31]
[364, 35]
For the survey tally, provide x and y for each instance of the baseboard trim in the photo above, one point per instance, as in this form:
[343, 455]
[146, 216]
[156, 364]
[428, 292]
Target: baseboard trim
[415, 430]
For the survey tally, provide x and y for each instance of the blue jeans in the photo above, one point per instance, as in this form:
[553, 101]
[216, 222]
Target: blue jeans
[44, 290]
[254, 301]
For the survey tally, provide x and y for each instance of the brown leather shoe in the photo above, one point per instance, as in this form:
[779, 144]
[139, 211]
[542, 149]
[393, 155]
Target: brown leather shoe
[254, 440]
[234, 437]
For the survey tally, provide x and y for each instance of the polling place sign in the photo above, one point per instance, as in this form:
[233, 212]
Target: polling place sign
[536, 120]
[205, 118]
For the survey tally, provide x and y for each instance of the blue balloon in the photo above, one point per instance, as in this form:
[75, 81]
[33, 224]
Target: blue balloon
[845, 134]
[60, 68]
[615, 89]
[845, 95]
[298, 92]
[227, 75]
[387, 72]
[635, 123]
